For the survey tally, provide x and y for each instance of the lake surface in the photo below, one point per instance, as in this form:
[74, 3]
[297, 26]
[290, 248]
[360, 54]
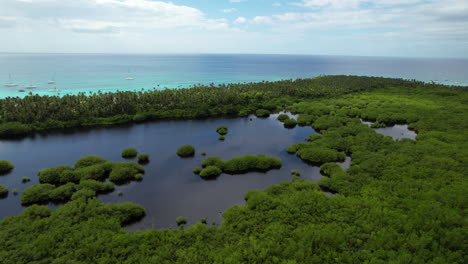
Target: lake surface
[169, 188]
[76, 73]
[395, 131]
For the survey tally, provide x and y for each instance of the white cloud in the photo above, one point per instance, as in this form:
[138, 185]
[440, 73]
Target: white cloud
[277, 4]
[121, 15]
[229, 10]
[240, 20]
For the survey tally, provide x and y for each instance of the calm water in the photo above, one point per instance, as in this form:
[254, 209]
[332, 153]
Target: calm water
[90, 73]
[169, 189]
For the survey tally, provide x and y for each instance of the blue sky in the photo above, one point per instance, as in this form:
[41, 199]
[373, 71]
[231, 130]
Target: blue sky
[406, 28]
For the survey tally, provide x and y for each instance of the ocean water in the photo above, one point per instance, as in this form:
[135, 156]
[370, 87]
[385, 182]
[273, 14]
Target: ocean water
[75, 73]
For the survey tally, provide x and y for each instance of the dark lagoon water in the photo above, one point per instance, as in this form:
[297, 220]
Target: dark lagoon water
[76, 73]
[170, 188]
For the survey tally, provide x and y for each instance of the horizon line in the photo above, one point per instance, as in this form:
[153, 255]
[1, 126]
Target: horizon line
[233, 53]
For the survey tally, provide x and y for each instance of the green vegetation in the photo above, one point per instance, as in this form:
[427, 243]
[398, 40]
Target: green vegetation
[15, 191]
[25, 179]
[181, 220]
[143, 158]
[38, 193]
[138, 177]
[262, 113]
[62, 183]
[186, 151]
[89, 161]
[3, 191]
[221, 138]
[210, 172]
[222, 130]
[401, 201]
[23, 116]
[295, 173]
[129, 153]
[290, 123]
[5, 166]
[283, 117]
[197, 170]
[203, 153]
[120, 193]
[214, 166]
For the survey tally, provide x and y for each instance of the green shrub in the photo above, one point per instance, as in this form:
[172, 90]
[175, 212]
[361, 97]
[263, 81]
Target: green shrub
[203, 153]
[283, 117]
[290, 123]
[314, 137]
[38, 193]
[97, 186]
[89, 161]
[378, 125]
[15, 191]
[138, 177]
[204, 221]
[319, 154]
[120, 193]
[5, 166]
[85, 193]
[295, 173]
[3, 191]
[143, 158]
[251, 162]
[222, 130]
[210, 172]
[96, 172]
[62, 193]
[262, 113]
[25, 179]
[181, 220]
[213, 161]
[221, 138]
[53, 175]
[14, 129]
[122, 174]
[305, 120]
[129, 153]
[197, 170]
[35, 211]
[186, 151]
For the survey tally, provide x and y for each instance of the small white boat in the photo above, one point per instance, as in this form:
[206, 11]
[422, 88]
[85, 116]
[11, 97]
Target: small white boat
[129, 78]
[51, 81]
[9, 83]
[30, 86]
[55, 89]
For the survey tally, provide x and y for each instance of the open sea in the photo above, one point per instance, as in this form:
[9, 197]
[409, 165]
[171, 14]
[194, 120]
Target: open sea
[75, 73]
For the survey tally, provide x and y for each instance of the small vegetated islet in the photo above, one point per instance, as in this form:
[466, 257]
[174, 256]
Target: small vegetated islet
[186, 151]
[63, 183]
[5, 166]
[129, 153]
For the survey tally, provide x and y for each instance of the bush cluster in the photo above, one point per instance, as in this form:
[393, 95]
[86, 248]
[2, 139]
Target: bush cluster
[186, 151]
[3, 190]
[214, 166]
[283, 117]
[143, 158]
[5, 166]
[129, 153]
[290, 123]
[222, 130]
[262, 113]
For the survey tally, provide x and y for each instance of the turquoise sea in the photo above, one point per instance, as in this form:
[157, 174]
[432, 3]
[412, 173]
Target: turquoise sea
[75, 73]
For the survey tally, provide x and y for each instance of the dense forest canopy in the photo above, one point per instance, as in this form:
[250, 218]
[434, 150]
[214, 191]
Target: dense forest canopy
[401, 201]
[19, 117]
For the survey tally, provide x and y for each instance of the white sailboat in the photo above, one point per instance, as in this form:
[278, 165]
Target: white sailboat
[30, 86]
[9, 83]
[51, 81]
[129, 78]
[55, 89]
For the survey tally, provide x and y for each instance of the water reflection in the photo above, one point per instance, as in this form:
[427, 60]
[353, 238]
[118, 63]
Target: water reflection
[169, 188]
